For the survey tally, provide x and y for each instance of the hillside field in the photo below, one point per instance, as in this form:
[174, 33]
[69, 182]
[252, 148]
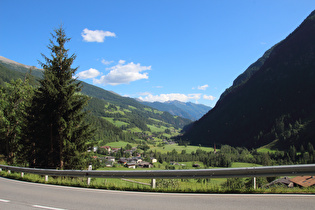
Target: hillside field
[163, 149]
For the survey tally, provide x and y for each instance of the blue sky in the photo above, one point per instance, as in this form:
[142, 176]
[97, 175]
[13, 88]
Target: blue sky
[156, 50]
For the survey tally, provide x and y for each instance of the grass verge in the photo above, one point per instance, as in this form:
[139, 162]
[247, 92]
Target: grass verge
[169, 186]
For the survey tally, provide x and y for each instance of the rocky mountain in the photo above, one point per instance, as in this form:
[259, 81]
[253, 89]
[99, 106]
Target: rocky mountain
[187, 110]
[272, 102]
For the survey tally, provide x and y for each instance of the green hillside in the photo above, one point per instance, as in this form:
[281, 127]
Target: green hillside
[273, 101]
[114, 117]
[131, 107]
[6, 74]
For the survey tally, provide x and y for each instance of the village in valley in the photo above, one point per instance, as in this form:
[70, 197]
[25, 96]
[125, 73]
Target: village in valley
[131, 158]
[140, 157]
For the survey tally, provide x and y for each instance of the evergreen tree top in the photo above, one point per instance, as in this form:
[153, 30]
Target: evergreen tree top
[59, 62]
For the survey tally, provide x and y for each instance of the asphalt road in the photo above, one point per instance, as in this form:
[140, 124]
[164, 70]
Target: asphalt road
[23, 195]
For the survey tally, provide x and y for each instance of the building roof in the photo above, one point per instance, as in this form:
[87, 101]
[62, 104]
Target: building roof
[144, 163]
[122, 160]
[131, 164]
[284, 180]
[304, 181]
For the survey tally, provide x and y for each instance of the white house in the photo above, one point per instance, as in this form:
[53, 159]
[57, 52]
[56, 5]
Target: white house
[153, 160]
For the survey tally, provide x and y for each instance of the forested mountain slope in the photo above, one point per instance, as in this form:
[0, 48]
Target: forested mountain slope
[187, 110]
[274, 103]
[114, 117]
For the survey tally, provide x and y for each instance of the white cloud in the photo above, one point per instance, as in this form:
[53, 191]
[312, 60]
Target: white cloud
[121, 62]
[96, 36]
[208, 97]
[195, 96]
[204, 87]
[144, 94]
[91, 73]
[105, 62]
[170, 97]
[123, 74]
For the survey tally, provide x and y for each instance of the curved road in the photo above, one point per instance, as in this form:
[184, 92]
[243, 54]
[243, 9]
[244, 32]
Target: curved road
[24, 195]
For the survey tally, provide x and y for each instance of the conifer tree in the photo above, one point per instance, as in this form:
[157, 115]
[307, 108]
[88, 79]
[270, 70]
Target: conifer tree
[57, 132]
[14, 100]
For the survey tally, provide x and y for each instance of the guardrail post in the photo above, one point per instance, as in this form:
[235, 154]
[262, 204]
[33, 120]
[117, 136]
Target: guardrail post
[153, 183]
[89, 179]
[288, 170]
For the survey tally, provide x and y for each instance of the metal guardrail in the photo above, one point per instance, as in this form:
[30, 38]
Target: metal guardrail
[266, 171]
[287, 170]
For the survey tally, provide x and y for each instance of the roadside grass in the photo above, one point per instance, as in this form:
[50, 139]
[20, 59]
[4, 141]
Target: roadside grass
[240, 165]
[171, 186]
[213, 185]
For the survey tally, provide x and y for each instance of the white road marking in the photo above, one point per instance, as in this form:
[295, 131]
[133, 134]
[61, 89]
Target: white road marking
[47, 207]
[5, 201]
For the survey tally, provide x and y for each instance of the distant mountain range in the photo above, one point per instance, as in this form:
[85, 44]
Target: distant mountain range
[187, 110]
[115, 117]
[271, 103]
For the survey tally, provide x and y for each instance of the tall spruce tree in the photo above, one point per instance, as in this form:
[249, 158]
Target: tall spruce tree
[57, 132]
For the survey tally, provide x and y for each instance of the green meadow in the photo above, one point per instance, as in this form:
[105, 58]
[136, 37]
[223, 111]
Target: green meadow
[163, 149]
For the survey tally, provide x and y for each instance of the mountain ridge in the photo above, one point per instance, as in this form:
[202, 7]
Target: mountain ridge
[187, 110]
[9, 61]
[273, 104]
